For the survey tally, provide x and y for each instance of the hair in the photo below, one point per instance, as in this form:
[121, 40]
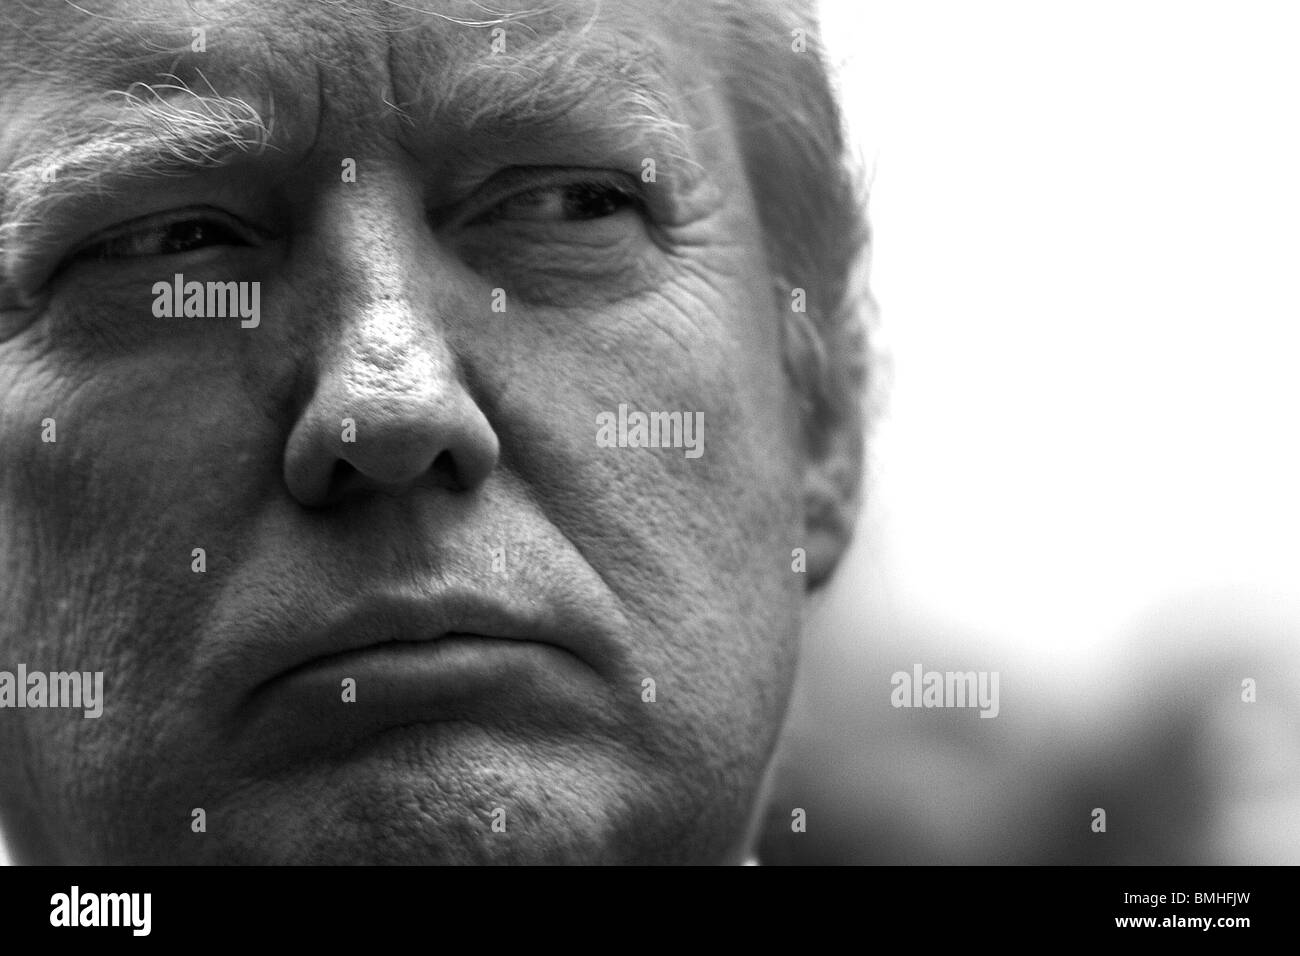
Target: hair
[812, 198]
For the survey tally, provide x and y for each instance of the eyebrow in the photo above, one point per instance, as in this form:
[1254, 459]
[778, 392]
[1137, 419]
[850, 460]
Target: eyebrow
[609, 88]
[157, 130]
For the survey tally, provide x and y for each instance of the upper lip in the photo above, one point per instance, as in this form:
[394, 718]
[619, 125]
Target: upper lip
[380, 618]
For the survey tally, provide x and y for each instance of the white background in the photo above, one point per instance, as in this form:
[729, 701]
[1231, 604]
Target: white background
[1087, 257]
[1087, 238]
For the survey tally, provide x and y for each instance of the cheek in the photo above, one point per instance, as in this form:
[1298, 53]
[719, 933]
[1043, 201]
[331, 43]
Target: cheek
[696, 548]
[153, 455]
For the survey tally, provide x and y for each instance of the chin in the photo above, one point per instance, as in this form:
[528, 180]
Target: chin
[465, 796]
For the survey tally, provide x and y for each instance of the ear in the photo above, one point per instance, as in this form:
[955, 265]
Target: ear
[832, 481]
[829, 383]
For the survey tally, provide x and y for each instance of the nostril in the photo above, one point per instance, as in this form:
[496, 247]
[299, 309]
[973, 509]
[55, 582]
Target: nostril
[443, 470]
[346, 478]
[339, 475]
[342, 477]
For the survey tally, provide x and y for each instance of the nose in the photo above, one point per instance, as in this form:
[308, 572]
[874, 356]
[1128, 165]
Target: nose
[390, 408]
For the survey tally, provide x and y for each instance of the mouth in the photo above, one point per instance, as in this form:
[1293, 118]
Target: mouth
[391, 663]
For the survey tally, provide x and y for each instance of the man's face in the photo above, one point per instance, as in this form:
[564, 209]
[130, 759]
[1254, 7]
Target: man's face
[429, 602]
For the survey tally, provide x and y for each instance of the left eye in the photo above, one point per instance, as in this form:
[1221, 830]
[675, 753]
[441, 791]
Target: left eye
[568, 202]
[162, 239]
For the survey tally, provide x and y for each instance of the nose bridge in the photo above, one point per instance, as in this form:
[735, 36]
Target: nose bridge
[379, 271]
[369, 236]
[391, 350]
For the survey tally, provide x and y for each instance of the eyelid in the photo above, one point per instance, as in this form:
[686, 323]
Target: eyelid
[159, 220]
[518, 180]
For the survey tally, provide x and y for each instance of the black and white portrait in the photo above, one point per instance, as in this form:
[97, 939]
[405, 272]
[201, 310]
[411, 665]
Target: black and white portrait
[611, 432]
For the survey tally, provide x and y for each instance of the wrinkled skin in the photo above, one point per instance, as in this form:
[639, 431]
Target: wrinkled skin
[474, 429]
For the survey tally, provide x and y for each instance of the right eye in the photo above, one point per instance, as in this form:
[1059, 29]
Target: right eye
[160, 237]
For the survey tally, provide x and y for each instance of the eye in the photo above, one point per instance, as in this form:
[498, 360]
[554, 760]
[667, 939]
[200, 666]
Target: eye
[563, 202]
[162, 237]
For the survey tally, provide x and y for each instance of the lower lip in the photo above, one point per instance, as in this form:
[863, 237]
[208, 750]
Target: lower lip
[394, 685]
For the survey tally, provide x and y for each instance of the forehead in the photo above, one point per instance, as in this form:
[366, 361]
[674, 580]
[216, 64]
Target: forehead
[109, 43]
[60, 62]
